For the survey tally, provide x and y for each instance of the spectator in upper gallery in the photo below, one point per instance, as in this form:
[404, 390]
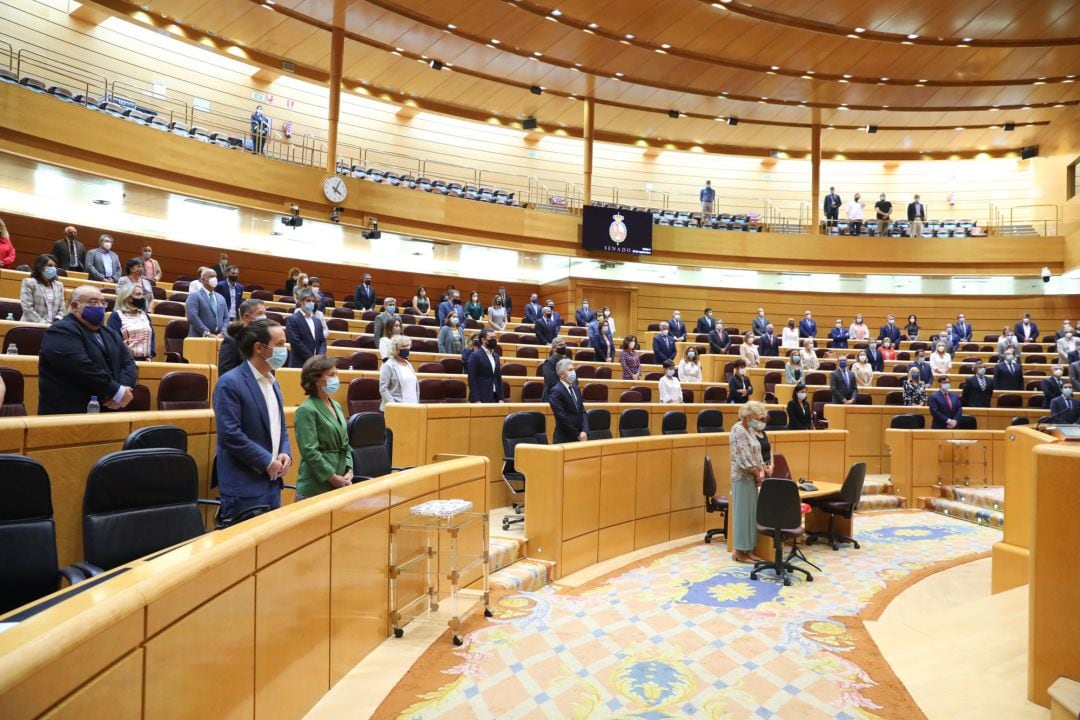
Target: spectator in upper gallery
[855, 210]
[799, 416]
[1026, 330]
[545, 328]
[7, 248]
[251, 310]
[304, 332]
[451, 335]
[260, 131]
[670, 387]
[769, 343]
[421, 301]
[507, 301]
[912, 328]
[719, 339]
[663, 344]
[794, 372]
[451, 304]
[875, 357]
[916, 215]
[858, 329]
[533, 310]
[473, 308]
[839, 336]
[151, 267]
[497, 315]
[809, 358]
[389, 314]
[677, 327]
[131, 321]
[102, 263]
[748, 351]
[808, 326]
[41, 295]
[205, 308]
[883, 210]
[290, 282]
[759, 323]
[133, 275]
[707, 196]
[1051, 386]
[705, 323]
[977, 390]
[962, 328]
[940, 360]
[364, 294]
[1009, 374]
[1066, 345]
[915, 387]
[690, 366]
[789, 336]
[70, 254]
[888, 351]
[739, 386]
[945, 407]
[890, 330]
[832, 208]
[584, 314]
[842, 383]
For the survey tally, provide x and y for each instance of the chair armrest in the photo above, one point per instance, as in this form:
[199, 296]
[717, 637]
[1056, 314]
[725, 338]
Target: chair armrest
[288, 487]
[72, 574]
[362, 477]
[204, 501]
[87, 569]
[404, 467]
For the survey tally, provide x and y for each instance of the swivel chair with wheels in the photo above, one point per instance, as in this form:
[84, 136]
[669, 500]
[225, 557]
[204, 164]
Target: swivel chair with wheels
[779, 515]
[520, 428]
[713, 503]
[844, 507]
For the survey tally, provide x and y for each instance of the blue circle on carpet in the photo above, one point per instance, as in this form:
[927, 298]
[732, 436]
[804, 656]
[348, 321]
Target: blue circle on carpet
[914, 533]
[731, 589]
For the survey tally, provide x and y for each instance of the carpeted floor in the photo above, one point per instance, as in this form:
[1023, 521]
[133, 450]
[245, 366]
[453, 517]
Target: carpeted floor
[688, 634]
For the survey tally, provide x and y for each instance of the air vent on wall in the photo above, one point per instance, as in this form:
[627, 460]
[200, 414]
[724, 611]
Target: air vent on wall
[288, 66]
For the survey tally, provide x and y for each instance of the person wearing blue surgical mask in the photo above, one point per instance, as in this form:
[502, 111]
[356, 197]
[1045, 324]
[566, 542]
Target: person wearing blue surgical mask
[322, 436]
[41, 295]
[305, 331]
[253, 449]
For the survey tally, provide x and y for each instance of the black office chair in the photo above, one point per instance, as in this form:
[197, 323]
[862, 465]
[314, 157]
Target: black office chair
[1020, 421]
[777, 420]
[967, 422]
[850, 493]
[599, 424]
[157, 436]
[138, 502]
[710, 421]
[674, 423]
[634, 422]
[779, 515]
[520, 428]
[908, 421]
[28, 566]
[372, 446]
[713, 504]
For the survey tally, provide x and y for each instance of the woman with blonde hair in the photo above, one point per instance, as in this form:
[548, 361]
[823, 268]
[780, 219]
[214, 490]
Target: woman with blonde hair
[748, 351]
[7, 249]
[131, 321]
[397, 379]
[749, 469]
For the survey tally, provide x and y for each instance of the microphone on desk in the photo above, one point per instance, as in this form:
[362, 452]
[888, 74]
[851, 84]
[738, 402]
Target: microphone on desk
[1050, 419]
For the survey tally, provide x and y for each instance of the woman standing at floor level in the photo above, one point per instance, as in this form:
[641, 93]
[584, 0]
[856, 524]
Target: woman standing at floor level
[748, 470]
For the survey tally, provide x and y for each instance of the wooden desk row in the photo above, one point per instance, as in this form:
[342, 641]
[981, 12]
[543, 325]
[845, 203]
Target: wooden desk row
[784, 393]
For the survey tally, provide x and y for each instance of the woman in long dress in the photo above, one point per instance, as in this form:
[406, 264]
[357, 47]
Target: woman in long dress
[748, 470]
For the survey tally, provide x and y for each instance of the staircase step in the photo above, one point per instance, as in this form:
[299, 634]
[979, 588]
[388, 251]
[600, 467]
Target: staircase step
[526, 575]
[881, 501]
[991, 497]
[876, 487]
[505, 551]
[964, 511]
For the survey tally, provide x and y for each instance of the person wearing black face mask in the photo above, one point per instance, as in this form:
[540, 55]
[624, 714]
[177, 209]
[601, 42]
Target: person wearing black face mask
[364, 295]
[559, 351]
[133, 275]
[70, 254]
[485, 371]
[232, 291]
[80, 358]
[131, 322]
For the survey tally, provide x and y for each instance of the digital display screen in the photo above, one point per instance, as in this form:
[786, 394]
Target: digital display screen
[626, 232]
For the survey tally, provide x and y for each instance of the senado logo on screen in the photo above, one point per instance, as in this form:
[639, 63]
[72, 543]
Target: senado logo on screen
[617, 230]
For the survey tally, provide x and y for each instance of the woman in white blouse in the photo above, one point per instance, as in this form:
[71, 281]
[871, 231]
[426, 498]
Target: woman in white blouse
[940, 361]
[864, 371]
[130, 320]
[789, 337]
[670, 389]
[397, 379]
[605, 314]
[809, 357]
[390, 331]
[41, 295]
[858, 329]
[690, 366]
[748, 350]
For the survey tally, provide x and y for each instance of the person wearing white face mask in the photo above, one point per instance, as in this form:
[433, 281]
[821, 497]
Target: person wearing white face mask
[914, 388]
[739, 387]
[1067, 344]
[690, 366]
[794, 373]
[945, 407]
[749, 468]
[1051, 386]
[205, 308]
[253, 449]
[304, 331]
[864, 371]
[809, 357]
[1064, 409]
[663, 345]
[584, 315]
[677, 327]
[859, 329]
[1009, 374]
[977, 390]
[322, 435]
[102, 263]
[789, 336]
[451, 336]
[41, 295]
[748, 351]
[798, 410]
[940, 361]
[670, 387]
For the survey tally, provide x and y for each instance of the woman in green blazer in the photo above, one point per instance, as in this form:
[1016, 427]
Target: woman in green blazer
[321, 432]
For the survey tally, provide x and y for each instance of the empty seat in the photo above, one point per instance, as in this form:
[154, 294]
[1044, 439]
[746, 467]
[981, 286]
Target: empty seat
[710, 421]
[371, 446]
[595, 392]
[432, 391]
[26, 339]
[157, 436]
[634, 422]
[14, 404]
[673, 423]
[630, 396]
[363, 396]
[184, 391]
[532, 391]
[599, 424]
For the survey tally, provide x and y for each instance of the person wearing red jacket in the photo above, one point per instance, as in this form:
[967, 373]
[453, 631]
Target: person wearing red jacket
[7, 250]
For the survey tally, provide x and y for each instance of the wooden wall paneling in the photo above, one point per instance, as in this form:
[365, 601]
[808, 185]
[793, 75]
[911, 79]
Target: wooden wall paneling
[359, 609]
[120, 689]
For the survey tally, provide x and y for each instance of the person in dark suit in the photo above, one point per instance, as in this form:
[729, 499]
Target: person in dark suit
[603, 344]
[253, 450]
[484, 369]
[222, 267]
[583, 315]
[1026, 330]
[387, 317]
[962, 329]
[719, 340]
[228, 354]
[70, 254]
[874, 356]
[945, 407]
[571, 422]
[890, 330]
[759, 323]
[364, 295]
[555, 316]
[977, 390]
[1074, 375]
[533, 310]
[1064, 409]
[769, 343]
[558, 352]
[842, 383]
[1051, 386]
[545, 328]
[233, 292]
[808, 326]
[1009, 374]
[705, 323]
[926, 373]
[916, 215]
[739, 387]
[304, 331]
[677, 327]
[449, 305]
[798, 410]
[832, 208]
[81, 358]
[205, 308]
[839, 336]
[663, 345]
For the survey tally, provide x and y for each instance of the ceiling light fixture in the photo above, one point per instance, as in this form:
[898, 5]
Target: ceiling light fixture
[629, 36]
[913, 36]
[537, 53]
[618, 74]
[593, 26]
[495, 41]
[666, 46]
[451, 26]
[556, 12]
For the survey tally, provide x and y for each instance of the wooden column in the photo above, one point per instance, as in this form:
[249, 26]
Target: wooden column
[590, 122]
[815, 174]
[337, 51]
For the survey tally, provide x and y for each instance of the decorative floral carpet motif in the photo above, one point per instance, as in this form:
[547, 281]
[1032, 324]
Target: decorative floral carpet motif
[689, 635]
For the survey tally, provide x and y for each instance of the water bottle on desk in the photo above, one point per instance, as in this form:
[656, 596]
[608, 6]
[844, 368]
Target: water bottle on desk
[10, 317]
[12, 349]
[93, 407]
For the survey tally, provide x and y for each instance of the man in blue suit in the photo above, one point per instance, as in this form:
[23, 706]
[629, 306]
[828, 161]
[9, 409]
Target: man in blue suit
[533, 310]
[447, 306]
[304, 331]
[808, 326]
[231, 290]
[839, 336]
[253, 451]
[945, 408]
[364, 295]
[571, 422]
[677, 327]
[583, 315]
[663, 346]
[205, 308]
[1026, 330]
[705, 323]
[1051, 386]
[962, 329]
[769, 342]
[545, 328]
[926, 373]
[1065, 410]
[555, 315]
[485, 371]
[874, 356]
[1009, 373]
[891, 331]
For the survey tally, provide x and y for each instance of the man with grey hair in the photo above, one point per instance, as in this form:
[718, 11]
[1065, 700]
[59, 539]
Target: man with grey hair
[386, 317]
[663, 345]
[304, 331]
[559, 351]
[229, 354]
[102, 263]
[205, 308]
[571, 422]
[81, 358]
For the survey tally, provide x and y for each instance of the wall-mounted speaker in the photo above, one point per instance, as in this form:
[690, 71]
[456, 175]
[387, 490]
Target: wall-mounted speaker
[529, 123]
[1029, 152]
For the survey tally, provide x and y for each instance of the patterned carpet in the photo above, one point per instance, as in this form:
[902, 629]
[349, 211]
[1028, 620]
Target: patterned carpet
[688, 634]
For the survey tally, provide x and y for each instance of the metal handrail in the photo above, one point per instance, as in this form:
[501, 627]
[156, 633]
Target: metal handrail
[467, 179]
[10, 53]
[87, 80]
[140, 99]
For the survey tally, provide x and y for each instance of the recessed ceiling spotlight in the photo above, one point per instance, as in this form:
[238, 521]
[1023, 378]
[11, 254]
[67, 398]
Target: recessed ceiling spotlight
[495, 41]
[618, 74]
[537, 53]
[854, 36]
[962, 45]
[958, 128]
[593, 26]
[847, 76]
[884, 79]
[775, 67]
[913, 36]
[556, 12]
[666, 46]
[397, 49]
[967, 39]
[452, 26]
[906, 42]
[860, 30]
[629, 36]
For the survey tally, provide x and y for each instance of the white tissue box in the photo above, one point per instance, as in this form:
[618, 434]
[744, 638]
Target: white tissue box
[441, 508]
